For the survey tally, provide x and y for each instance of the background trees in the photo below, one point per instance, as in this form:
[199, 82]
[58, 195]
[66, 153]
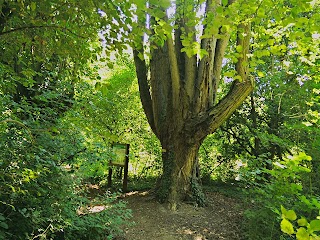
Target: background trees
[46, 48]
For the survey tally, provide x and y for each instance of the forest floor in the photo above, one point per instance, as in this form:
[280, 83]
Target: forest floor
[220, 219]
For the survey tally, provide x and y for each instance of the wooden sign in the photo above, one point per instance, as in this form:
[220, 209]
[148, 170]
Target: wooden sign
[120, 152]
[121, 159]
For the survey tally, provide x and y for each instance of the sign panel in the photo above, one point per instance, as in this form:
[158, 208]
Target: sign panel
[119, 151]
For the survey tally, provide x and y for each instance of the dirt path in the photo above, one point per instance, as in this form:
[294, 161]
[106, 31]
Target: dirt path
[219, 220]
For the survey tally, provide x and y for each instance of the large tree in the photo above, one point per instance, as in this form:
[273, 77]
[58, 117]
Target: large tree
[179, 61]
[180, 96]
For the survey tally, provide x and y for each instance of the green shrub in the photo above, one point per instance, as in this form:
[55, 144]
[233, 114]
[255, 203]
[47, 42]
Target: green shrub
[40, 198]
[285, 187]
[300, 228]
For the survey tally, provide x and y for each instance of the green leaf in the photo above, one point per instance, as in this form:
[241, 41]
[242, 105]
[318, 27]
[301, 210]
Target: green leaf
[271, 42]
[110, 65]
[229, 74]
[161, 3]
[225, 29]
[288, 214]
[302, 222]
[165, 3]
[286, 227]
[315, 225]
[219, 9]
[261, 12]
[283, 211]
[202, 53]
[239, 48]
[141, 56]
[140, 3]
[238, 77]
[224, 2]
[302, 234]
[4, 225]
[304, 156]
[316, 203]
[33, 6]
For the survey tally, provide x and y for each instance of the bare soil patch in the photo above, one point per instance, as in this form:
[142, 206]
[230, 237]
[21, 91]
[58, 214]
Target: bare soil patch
[153, 221]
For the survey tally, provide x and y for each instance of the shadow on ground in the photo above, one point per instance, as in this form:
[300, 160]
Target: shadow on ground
[221, 219]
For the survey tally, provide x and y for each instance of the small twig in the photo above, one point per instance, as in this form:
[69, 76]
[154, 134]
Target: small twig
[41, 234]
[41, 26]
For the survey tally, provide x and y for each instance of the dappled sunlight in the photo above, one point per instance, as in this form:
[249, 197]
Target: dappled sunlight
[194, 233]
[136, 193]
[201, 233]
[91, 209]
[218, 220]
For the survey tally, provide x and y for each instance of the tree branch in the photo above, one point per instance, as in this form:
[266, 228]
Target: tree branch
[208, 122]
[41, 26]
[243, 40]
[161, 90]
[205, 66]
[240, 141]
[211, 120]
[221, 47]
[222, 111]
[144, 89]
[175, 77]
[190, 63]
[211, 65]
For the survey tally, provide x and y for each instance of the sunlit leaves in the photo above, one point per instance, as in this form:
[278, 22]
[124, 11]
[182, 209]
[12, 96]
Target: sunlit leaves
[33, 6]
[305, 231]
[288, 214]
[315, 225]
[287, 227]
[284, 29]
[160, 3]
[302, 222]
[302, 234]
[239, 48]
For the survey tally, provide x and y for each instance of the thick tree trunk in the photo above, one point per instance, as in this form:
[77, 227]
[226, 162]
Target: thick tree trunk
[179, 180]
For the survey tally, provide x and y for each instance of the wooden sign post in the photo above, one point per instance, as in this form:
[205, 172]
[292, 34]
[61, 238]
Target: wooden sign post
[121, 160]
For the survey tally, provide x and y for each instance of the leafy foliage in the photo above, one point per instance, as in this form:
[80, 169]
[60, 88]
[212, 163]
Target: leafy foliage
[37, 191]
[304, 229]
[284, 188]
[46, 49]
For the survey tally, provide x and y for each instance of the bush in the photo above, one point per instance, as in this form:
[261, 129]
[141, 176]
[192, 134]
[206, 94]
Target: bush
[40, 198]
[285, 187]
[301, 229]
